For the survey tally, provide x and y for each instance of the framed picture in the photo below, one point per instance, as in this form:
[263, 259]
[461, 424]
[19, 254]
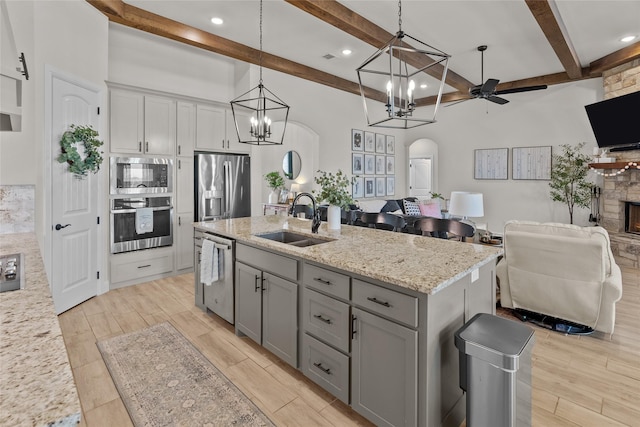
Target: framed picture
[391, 185]
[357, 140]
[381, 186]
[391, 144]
[531, 163]
[380, 143]
[369, 164]
[491, 163]
[380, 165]
[369, 142]
[357, 163]
[357, 190]
[369, 187]
[391, 165]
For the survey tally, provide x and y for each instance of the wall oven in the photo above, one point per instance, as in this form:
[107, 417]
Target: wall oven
[138, 175]
[141, 223]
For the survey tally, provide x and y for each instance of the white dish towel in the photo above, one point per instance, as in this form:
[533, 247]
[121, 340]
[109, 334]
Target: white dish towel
[144, 220]
[209, 262]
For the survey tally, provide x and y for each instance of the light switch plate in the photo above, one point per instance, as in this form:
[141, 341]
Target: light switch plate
[475, 275]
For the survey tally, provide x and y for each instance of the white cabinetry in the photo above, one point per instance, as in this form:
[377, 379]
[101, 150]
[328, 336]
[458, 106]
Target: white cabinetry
[185, 128]
[142, 124]
[216, 130]
[183, 228]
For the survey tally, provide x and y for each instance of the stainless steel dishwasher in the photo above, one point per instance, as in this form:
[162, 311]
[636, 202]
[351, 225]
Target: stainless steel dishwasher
[217, 296]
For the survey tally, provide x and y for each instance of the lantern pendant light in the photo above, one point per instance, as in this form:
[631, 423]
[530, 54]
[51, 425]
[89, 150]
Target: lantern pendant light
[398, 67]
[255, 110]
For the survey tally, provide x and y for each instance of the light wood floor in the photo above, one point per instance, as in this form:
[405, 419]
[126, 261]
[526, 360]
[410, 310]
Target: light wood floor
[578, 381]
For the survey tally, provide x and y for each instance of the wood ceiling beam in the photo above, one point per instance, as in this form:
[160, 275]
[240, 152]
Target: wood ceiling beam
[343, 18]
[619, 57]
[546, 14]
[122, 13]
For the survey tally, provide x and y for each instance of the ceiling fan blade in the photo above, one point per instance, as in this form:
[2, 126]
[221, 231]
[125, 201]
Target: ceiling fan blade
[489, 86]
[520, 89]
[497, 100]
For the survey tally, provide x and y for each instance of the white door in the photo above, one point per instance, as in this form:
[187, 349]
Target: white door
[74, 203]
[420, 177]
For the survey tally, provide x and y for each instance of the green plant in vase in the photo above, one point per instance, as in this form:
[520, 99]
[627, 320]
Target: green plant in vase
[275, 182]
[335, 189]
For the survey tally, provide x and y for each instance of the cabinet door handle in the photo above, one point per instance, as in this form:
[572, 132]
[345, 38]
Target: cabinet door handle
[146, 146]
[353, 326]
[377, 301]
[144, 266]
[179, 163]
[322, 368]
[179, 221]
[178, 150]
[257, 283]
[223, 143]
[263, 287]
[323, 281]
[140, 146]
[322, 319]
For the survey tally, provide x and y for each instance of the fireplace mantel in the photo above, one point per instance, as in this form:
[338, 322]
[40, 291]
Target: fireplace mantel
[615, 165]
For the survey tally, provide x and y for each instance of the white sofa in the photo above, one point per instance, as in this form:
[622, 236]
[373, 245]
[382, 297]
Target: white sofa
[560, 270]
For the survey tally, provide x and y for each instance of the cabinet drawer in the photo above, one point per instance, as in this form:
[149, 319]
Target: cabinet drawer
[268, 261]
[136, 269]
[326, 281]
[326, 318]
[395, 305]
[326, 367]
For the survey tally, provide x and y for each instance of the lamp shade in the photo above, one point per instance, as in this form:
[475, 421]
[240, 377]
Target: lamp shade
[466, 204]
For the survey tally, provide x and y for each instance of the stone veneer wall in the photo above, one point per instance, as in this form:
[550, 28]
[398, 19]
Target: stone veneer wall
[619, 81]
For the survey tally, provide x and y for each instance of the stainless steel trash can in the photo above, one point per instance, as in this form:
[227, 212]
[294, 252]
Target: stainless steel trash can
[495, 371]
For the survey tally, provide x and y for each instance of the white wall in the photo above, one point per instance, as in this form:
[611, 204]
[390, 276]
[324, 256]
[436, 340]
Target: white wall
[549, 117]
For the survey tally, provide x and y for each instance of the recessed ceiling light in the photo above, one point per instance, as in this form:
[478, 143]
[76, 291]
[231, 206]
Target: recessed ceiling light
[217, 21]
[627, 39]
[346, 52]
[423, 86]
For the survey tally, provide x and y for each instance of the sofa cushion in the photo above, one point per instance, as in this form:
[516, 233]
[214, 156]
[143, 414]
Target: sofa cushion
[431, 209]
[391, 206]
[372, 205]
[411, 208]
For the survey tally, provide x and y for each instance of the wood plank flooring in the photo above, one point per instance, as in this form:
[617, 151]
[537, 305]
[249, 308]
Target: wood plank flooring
[577, 381]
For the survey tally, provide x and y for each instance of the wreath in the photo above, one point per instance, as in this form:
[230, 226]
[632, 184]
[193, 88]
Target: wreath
[88, 137]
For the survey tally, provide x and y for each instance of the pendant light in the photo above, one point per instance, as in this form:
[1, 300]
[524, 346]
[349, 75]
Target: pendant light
[255, 110]
[395, 70]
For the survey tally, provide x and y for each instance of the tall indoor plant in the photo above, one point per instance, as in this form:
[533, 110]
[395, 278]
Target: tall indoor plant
[569, 178]
[335, 190]
[275, 182]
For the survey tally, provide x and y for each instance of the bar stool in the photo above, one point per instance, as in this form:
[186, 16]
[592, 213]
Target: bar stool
[382, 221]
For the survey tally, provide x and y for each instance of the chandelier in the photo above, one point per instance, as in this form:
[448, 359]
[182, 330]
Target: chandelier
[253, 115]
[398, 67]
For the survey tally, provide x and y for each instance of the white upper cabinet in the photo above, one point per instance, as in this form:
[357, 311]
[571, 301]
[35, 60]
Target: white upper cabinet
[185, 129]
[142, 124]
[216, 130]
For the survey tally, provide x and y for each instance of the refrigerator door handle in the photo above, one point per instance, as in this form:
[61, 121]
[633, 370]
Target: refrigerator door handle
[227, 188]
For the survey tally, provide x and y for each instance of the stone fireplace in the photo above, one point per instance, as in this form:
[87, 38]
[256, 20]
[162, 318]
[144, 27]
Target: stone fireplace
[621, 193]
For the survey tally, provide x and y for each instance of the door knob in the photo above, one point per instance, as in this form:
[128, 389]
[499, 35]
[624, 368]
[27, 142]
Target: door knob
[60, 227]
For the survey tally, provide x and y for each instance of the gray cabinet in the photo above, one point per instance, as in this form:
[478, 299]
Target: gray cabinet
[267, 305]
[384, 376]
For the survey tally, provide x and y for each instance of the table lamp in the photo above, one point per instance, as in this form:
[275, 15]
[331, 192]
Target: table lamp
[466, 204]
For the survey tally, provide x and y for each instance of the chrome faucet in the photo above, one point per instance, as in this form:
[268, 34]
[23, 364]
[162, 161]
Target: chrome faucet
[315, 224]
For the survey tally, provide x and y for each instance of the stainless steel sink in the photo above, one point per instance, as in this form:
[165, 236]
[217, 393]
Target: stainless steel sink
[293, 239]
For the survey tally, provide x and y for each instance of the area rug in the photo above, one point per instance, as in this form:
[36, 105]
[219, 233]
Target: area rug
[165, 381]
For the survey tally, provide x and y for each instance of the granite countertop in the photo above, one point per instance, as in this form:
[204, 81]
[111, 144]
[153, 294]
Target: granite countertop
[422, 264]
[36, 382]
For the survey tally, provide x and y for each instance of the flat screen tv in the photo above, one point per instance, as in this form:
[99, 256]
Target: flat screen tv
[616, 121]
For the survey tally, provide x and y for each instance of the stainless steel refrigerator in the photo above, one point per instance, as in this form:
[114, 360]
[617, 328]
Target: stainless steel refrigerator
[223, 186]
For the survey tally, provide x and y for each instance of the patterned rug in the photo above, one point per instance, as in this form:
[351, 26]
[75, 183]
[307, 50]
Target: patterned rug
[165, 381]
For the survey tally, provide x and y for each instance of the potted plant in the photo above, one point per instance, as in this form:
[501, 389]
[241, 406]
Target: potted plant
[275, 182]
[335, 190]
[569, 178]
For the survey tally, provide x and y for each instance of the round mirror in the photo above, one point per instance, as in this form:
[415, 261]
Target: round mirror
[291, 164]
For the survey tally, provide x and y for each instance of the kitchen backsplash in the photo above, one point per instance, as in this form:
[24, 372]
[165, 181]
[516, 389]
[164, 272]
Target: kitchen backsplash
[17, 208]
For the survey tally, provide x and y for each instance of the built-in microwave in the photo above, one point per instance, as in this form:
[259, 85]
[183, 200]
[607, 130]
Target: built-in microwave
[140, 175]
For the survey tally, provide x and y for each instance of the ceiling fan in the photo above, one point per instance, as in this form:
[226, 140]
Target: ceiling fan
[488, 91]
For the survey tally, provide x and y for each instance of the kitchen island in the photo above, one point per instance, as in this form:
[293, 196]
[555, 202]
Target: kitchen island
[36, 383]
[369, 315]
